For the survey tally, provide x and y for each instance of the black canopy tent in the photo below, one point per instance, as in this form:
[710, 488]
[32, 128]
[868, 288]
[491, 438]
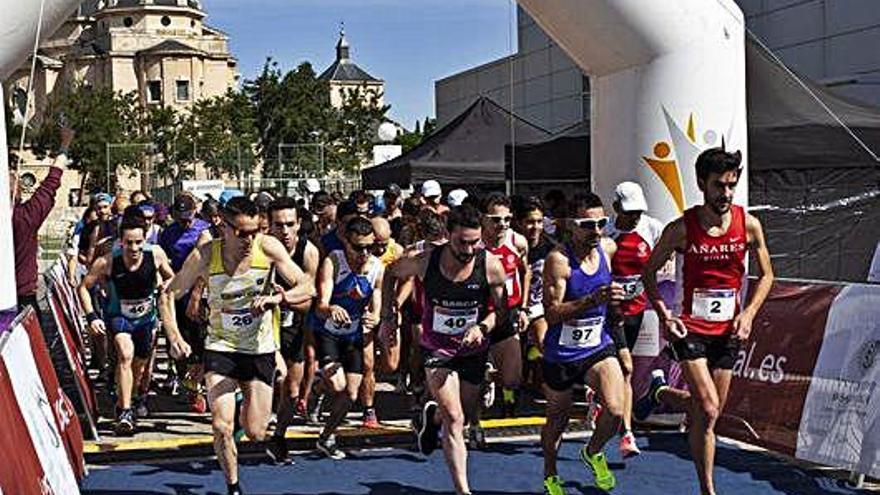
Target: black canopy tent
[468, 151]
[561, 162]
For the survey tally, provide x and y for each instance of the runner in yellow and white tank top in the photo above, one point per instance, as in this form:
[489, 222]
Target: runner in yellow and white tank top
[240, 348]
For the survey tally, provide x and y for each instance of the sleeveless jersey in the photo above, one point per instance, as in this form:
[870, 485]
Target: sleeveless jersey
[713, 272]
[352, 291]
[588, 332]
[450, 308]
[633, 250]
[232, 326]
[288, 316]
[133, 293]
[537, 257]
[512, 263]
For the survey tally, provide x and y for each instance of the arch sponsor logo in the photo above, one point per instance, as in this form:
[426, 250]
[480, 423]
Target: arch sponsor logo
[761, 367]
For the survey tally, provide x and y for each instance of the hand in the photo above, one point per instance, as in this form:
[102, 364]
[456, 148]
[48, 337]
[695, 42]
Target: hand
[473, 337]
[339, 315]
[97, 327]
[523, 321]
[262, 304]
[674, 328]
[67, 135]
[742, 325]
[370, 320]
[179, 349]
[618, 293]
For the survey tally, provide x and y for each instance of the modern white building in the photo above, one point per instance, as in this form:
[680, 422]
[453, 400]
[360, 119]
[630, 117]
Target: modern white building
[834, 42]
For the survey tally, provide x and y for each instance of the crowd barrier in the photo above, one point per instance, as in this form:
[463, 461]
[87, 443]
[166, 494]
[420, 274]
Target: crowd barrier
[42, 442]
[805, 383]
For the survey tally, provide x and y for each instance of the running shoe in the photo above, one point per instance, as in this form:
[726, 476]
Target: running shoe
[370, 418]
[598, 465]
[553, 486]
[276, 449]
[327, 446]
[198, 404]
[476, 438]
[125, 424]
[648, 402]
[628, 447]
[300, 409]
[425, 429]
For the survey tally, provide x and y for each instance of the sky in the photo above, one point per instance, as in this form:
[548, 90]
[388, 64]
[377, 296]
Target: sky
[408, 43]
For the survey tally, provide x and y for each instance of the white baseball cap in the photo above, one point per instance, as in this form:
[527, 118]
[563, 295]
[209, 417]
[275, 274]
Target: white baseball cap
[630, 196]
[431, 188]
[312, 185]
[456, 197]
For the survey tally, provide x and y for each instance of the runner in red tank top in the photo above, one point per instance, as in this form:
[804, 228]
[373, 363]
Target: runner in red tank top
[512, 249]
[707, 335]
[635, 234]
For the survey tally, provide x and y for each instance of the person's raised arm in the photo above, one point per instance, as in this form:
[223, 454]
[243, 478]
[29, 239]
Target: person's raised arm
[742, 324]
[326, 284]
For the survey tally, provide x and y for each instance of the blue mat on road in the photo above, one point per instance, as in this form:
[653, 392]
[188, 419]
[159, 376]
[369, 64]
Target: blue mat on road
[508, 468]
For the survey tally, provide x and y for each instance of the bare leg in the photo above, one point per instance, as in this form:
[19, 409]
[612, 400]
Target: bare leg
[557, 412]
[444, 386]
[704, 414]
[368, 384]
[124, 358]
[289, 394]
[507, 355]
[256, 408]
[345, 388]
[607, 379]
[221, 395]
[626, 365]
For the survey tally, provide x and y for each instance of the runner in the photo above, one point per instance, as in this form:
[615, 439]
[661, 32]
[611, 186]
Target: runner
[505, 351]
[284, 224]
[706, 337]
[387, 251]
[530, 221]
[578, 348]
[460, 279]
[241, 348]
[635, 234]
[432, 193]
[347, 310]
[131, 274]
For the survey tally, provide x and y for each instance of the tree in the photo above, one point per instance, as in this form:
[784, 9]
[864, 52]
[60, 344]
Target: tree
[354, 132]
[409, 140]
[223, 127]
[99, 117]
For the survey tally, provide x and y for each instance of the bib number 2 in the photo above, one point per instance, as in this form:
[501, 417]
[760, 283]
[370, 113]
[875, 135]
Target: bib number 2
[714, 304]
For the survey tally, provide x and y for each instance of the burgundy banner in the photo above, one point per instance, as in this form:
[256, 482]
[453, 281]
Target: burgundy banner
[773, 372]
[65, 415]
[77, 364]
[20, 471]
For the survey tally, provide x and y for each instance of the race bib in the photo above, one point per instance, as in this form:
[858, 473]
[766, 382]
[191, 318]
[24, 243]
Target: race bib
[586, 332]
[454, 321]
[239, 319]
[714, 304]
[508, 285]
[136, 308]
[632, 286]
[342, 329]
[536, 311]
[287, 318]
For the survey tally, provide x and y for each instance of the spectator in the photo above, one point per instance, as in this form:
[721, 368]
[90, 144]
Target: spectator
[27, 217]
[432, 193]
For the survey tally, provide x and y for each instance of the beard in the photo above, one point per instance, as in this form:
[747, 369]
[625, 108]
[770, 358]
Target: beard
[463, 258]
[721, 206]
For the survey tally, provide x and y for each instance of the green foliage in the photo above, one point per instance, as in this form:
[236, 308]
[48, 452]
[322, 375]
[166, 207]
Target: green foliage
[410, 140]
[354, 129]
[99, 116]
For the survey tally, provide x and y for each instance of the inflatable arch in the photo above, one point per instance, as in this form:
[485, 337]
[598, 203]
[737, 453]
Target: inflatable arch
[667, 80]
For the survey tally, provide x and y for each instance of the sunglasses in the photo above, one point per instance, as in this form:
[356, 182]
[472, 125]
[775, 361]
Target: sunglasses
[241, 233]
[361, 248]
[148, 218]
[500, 218]
[591, 223]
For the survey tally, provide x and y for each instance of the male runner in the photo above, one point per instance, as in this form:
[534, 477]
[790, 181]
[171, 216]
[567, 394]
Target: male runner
[635, 234]
[241, 343]
[459, 280]
[505, 350]
[530, 221]
[131, 274]
[284, 225]
[578, 347]
[347, 310]
[706, 337]
[387, 251]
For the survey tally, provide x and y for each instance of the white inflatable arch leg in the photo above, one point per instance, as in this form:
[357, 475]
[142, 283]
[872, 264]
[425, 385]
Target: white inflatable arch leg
[667, 81]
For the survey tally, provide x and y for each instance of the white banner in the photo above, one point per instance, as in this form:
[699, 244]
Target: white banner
[37, 411]
[840, 424]
[201, 188]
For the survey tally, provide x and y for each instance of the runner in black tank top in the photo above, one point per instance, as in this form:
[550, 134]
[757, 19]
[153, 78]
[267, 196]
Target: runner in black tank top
[296, 346]
[458, 278]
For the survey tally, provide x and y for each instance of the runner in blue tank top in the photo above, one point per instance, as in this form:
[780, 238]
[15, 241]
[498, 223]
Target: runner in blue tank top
[579, 297]
[349, 300]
